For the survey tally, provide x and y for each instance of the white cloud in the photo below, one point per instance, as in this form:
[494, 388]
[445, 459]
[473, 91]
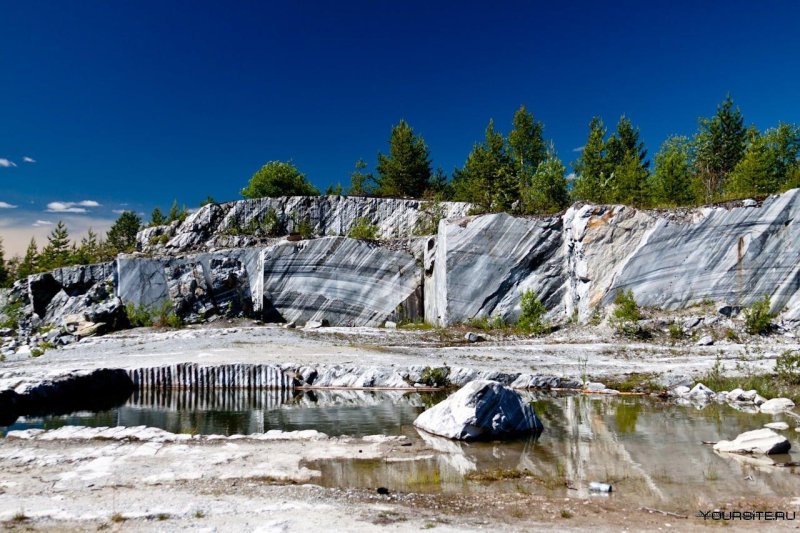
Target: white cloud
[571, 177]
[578, 149]
[71, 207]
[118, 211]
[6, 163]
[28, 159]
[6, 205]
[40, 223]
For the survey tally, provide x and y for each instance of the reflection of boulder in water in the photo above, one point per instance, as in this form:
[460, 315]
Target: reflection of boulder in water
[481, 409]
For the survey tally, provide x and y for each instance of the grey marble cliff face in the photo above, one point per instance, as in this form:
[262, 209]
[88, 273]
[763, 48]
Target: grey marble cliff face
[344, 281]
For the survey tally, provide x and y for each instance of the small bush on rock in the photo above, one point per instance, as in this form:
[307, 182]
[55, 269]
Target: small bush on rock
[532, 311]
[138, 315]
[626, 310]
[435, 377]
[787, 366]
[758, 319]
[364, 230]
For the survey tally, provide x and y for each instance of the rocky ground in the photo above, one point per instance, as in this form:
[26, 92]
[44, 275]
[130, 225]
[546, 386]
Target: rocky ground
[162, 483]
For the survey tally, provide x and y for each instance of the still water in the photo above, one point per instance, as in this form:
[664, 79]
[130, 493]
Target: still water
[648, 449]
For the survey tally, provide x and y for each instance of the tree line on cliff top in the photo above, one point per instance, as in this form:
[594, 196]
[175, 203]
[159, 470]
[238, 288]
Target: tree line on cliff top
[521, 172]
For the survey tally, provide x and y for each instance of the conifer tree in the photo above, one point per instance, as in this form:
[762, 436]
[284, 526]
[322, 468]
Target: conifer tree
[671, 184]
[590, 167]
[406, 170]
[547, 190]
[719, 146]
[157, 217]
[56, 253]
[30, 262]
[121, 237]
[4, 274]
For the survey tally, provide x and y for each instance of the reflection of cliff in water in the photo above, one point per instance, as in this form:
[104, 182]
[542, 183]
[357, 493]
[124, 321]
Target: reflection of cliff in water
[342, 412]
[648, 450]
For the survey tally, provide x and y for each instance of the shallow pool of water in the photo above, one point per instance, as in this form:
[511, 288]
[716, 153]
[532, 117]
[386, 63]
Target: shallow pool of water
[648, 449]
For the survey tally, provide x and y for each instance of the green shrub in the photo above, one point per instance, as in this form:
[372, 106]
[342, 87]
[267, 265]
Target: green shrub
[165, 317]
[36, 352]
[302, 227]
[364, 230]
[787, 366]
[675, 332]
[532, 311]
[435, 377]
[138, 315]
[757, 319]
[11, 315]
[626, 310]
[485, 323]
[428, 222]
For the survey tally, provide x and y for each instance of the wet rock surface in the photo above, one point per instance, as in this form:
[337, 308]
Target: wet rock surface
[760, 441]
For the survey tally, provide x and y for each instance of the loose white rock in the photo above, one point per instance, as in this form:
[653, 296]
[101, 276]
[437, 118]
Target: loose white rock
[595, 387]
[762, 441]
[780, 426]
[700, 391]
[776, 405]
[481, 409]
[705, 340]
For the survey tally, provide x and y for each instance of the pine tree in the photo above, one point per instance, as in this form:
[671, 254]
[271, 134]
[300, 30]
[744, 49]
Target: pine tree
[547, 191]
[121, 238]
[487, 178]
[671, 184]
[406, 171]
[157, 217]
[591, 167]
[526, 142]
[276, 178]
[89, 250]
[56, 253]
[361, 183]
[176, 213]
[719, 146]
[630, 182]
[30, 262]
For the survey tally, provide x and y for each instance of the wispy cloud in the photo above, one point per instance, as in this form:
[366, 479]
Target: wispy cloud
[41, 223]
[6, 205]
[6, 163]
[571, 177]
[28, 159]
[578, 149]
[71, 207]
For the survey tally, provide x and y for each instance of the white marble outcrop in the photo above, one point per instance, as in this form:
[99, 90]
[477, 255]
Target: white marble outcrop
[214, 225]
[482, 409]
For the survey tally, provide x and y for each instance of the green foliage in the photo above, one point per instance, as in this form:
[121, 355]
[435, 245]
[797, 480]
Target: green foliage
[30, 262]
[758, 319]
[157, 218]
[162, 316]
[121, 238]
[361, 183]
[278, 178]
[176, 213]
[546, 191]
[767, 163]
[428, 222]
[787, 366]
[435, 377]
[675, 332]
[526, 143]
[672, 183]
[719, 146]
[590, 167]
[208, 200]
[532, 312]
[302, 227]
[139, 316]
[37, 352]
[626, 309]
[56, 253]
[487, 178]
[406, 170]
[363, 229]
[11, 315]
[334, 191]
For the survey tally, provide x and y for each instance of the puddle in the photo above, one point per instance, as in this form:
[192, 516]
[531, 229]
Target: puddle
[649, 450]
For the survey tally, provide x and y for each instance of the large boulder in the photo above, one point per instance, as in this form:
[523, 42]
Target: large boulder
[760, 441]
[482, 409]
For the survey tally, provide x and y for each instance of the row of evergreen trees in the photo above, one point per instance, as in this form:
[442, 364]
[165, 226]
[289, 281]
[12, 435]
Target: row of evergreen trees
[60, 251]
[522, 173]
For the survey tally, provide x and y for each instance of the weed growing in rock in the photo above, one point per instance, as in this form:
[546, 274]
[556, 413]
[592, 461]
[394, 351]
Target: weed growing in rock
[758, 319]
[117, 518]
[675, 332]
[10, 315]
[626, 310]
[37, 352]
[787, 366]
[362, 229]
[532, 311]
[142, 316]
[435, 377]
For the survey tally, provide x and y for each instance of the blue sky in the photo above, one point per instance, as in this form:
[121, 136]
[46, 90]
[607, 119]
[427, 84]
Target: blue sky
[129, 105]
